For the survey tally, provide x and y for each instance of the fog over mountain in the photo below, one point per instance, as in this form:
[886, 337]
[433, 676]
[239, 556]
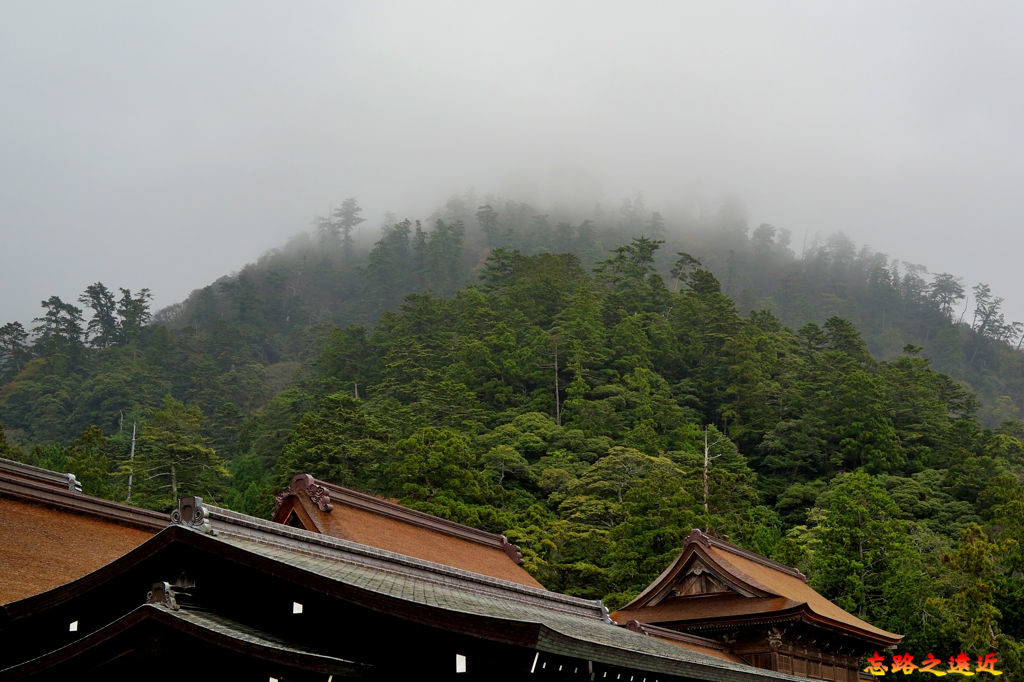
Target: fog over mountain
[163, 145]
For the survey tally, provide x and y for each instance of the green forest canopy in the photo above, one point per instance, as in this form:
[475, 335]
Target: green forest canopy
[589, 393]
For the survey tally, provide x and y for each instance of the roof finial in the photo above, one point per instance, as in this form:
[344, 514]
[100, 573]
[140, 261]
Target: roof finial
[191, 512]
[698, 536]
[317, 493]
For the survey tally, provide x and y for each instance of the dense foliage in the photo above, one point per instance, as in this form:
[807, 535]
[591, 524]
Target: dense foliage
[593, 404]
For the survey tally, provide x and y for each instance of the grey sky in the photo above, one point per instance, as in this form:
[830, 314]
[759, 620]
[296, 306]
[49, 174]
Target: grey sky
[160, 145]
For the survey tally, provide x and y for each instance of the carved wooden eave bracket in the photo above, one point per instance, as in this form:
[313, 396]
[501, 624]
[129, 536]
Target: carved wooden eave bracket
[775, 636]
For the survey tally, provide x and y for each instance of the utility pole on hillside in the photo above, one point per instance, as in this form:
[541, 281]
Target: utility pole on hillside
[131, 460]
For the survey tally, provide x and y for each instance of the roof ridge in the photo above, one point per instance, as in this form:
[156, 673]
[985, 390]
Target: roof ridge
[39, 492]
[325, 494]
[254, 529]
[54, 479]
[700, 537]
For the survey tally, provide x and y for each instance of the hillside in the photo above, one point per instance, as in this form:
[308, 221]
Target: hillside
[590, 392]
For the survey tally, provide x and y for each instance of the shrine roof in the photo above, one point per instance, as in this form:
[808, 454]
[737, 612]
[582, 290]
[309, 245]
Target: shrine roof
[766, 586]
[695, 609]
[794, 589]
[51, 533]
[352, 515]
[198, 625]
[447, 597]
[563, 624]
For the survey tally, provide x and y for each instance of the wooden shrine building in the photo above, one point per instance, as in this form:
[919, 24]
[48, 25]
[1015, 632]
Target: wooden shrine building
[343, 585]
[218, 594]
[761, 611]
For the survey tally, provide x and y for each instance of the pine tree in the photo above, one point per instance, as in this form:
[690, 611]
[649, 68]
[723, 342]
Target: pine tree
[103, 326]
[173, 460]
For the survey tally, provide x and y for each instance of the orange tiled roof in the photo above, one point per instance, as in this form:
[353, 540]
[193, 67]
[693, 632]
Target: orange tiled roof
[51, 534]
[351, 515]
[761, 588]
[793, 588]
[44, 548]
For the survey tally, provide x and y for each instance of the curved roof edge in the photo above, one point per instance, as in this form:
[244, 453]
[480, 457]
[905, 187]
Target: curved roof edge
[761, 577]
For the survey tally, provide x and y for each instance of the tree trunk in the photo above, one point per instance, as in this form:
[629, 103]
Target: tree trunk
[707, 464]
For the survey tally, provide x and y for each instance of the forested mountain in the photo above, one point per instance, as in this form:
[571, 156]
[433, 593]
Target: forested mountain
[593, 387]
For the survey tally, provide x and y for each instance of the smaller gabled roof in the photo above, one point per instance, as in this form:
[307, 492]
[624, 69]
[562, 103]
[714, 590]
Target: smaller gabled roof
[747, 586]
[351, 515]
[696, 609]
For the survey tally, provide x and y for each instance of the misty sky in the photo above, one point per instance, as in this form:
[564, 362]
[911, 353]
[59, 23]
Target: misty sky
[163, 144]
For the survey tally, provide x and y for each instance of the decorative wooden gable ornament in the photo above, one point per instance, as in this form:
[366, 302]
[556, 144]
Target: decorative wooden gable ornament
[699, 579]
[697, 574]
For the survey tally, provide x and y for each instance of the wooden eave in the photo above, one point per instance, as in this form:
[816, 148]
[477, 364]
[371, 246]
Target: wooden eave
[685, 640]
[696, 609]
[811, 616]
[258, 647]
[800, 612]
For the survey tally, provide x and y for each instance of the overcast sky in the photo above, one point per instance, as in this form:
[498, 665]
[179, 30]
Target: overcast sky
[163, 144]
